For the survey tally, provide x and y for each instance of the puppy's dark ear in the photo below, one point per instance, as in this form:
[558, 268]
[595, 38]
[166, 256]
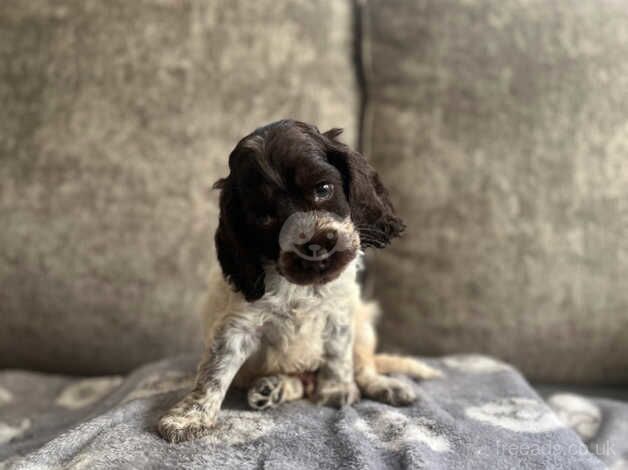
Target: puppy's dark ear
[371, 210]
[236, 251]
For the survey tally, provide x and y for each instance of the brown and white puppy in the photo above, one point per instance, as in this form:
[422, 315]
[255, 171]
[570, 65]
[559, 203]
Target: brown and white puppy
[296, 211]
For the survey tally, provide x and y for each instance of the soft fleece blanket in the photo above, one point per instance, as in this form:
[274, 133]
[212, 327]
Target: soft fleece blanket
[482, 415]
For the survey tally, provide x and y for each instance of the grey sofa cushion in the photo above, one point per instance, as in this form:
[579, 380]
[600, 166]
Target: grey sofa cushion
[116, 119]
[501, 128]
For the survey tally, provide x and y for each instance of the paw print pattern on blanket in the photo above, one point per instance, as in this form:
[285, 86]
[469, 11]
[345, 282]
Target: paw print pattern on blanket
[161, 382]
[6, 396]
[621, 464]
[9, 432]
[516, 414]
[394, 430]
[475, 364]
[85, 392]
[578, 413]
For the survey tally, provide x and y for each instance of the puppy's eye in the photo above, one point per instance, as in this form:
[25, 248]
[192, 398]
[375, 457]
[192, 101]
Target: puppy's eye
[323, 192]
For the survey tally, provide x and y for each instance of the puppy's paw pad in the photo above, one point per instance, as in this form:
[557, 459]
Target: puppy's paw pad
[266, 392]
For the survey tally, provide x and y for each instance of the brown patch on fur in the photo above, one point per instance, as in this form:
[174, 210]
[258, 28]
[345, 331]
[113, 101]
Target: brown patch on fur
[276, 337]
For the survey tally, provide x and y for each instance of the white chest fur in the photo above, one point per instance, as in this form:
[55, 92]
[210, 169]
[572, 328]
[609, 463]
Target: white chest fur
[294, 331]
[291, 319]
[292, 305]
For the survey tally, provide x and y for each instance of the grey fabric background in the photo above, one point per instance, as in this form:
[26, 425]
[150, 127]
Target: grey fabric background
[117, 117]
[480, 415]
[501, 127]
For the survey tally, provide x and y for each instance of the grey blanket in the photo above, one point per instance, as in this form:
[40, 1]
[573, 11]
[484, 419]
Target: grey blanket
[482, 415]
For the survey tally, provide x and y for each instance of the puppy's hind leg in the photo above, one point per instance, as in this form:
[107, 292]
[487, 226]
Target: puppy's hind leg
[370, 367]
[270, 391]
[393, 364]
[371, 382]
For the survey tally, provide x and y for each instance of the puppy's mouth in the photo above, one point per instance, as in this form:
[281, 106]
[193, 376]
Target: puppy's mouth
[304, 272]
[316, 247]
[305, 252]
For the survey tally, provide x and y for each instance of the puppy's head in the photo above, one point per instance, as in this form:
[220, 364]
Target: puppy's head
[300, 199]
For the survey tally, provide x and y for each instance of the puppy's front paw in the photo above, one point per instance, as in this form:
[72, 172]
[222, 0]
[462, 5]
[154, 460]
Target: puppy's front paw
[266, 392]
[336, 394]
[188, 420]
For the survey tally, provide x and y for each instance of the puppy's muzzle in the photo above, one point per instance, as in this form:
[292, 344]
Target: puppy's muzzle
[316, 246]
[316, 254]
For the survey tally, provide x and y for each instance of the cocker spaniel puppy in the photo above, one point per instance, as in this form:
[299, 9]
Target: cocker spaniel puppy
[284, 317]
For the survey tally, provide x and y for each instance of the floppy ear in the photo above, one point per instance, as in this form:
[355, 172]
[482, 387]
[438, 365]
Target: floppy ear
[371, 210]
[236, 251]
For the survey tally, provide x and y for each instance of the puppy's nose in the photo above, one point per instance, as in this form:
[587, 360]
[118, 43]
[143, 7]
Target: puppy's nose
[314, 248]
[323, 241]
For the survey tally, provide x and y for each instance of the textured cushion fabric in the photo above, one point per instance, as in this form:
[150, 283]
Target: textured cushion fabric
[501, 127]
[116, 119]
[480, 415]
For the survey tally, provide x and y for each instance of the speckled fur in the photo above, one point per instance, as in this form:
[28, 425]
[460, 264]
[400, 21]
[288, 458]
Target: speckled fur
[274, 315]
[291, 330]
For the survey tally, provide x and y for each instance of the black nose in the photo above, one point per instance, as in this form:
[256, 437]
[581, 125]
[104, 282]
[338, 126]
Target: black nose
[321, 243]
[314, 248]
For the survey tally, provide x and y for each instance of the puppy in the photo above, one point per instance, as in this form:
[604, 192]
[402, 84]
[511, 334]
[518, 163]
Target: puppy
[296, 211]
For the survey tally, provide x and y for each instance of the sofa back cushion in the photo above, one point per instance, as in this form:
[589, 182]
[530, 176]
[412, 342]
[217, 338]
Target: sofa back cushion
[116, 119]
[501, 128]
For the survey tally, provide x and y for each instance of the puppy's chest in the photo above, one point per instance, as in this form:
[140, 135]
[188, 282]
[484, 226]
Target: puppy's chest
[293, 335]
[295, 322]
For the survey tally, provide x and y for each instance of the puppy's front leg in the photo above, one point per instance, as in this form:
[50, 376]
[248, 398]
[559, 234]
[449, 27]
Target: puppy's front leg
[335, 384]
[194, 415]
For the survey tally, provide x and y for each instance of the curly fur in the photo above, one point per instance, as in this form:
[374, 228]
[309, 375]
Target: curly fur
[273, 322]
